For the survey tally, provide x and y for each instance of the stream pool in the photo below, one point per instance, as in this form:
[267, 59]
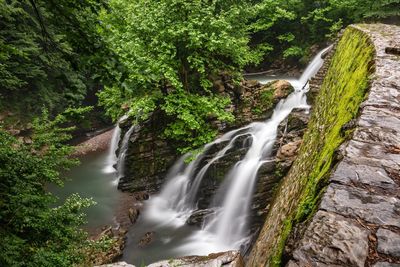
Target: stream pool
[91, 181]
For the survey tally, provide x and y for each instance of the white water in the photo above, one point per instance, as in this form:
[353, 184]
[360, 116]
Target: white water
[227, 228]
[308, 73]
[112, 158]
[122, 154]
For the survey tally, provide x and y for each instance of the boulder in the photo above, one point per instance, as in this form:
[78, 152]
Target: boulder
[282, 89]
[147, 239]
[289, 150]
[228, 259]
[198, 216]
[133, 214]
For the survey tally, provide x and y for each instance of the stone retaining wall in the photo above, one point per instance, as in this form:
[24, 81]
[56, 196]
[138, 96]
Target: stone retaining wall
[358, 220]
[339, 205]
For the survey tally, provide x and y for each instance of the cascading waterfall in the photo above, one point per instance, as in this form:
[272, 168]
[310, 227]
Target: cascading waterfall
[122, 153]
[229, 223]
[112, 158]
[227, 227]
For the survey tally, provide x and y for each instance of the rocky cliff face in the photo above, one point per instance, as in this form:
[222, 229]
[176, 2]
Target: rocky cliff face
[339, 204]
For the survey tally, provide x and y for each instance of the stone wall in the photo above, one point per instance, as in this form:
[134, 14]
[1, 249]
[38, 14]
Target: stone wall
[339, 204]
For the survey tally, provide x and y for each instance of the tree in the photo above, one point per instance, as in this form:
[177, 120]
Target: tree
[51, 54]
[34, 233]
[174, 50]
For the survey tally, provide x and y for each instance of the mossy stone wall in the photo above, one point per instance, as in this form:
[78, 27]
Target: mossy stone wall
[343, 90]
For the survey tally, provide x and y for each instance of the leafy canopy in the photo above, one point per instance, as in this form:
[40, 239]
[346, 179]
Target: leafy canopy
[173, 50]
[51, 54]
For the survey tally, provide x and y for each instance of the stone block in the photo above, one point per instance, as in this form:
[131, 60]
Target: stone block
[356, 202]
[388, 242]
[332, 240]
[349, 173]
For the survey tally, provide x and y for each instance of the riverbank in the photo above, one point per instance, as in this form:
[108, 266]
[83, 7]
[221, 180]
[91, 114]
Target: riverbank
[94, 144]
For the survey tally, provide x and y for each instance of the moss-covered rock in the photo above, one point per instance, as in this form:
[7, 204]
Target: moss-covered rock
[257, 101]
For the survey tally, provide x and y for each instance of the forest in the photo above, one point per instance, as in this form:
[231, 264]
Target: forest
[68, 66]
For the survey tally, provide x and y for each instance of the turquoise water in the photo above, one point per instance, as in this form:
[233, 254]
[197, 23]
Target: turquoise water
[89, 180]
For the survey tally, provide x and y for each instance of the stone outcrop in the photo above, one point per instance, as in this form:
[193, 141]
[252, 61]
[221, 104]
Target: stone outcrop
[350, 216]
[364, 188]
[229, 259]
[149, 156]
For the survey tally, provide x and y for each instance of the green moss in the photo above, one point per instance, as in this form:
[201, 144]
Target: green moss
[266, 102]
[287, 227]
[343, 90]
[267, 99]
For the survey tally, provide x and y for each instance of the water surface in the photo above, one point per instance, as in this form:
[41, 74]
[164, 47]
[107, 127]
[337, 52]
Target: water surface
[91, 181]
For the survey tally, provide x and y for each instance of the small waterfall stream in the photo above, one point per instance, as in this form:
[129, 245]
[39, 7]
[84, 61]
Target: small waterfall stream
[227, 227]
[112, 158]
[122, 153]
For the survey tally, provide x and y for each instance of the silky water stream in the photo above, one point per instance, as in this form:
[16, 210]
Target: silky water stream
[163, 218]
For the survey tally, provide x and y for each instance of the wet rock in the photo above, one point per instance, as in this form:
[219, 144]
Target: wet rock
[146, 239]
[133, 214]
[250, 83]
[282, 89]
[332, 240]
[369, 206]
[141, 196]
[388, 242]
[198, 216]
[117, 238]
[297, 120]
[228, 259]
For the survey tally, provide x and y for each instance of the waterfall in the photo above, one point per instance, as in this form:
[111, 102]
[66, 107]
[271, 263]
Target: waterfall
[227, 227]
[112, 158]
[122, 154]
[229, 223]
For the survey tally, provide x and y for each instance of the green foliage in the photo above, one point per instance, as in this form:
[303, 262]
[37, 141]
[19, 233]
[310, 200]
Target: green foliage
[51, 54]
[34, 233]
[173, 49]
[193, 114]
[113, 99]
[286, 29]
